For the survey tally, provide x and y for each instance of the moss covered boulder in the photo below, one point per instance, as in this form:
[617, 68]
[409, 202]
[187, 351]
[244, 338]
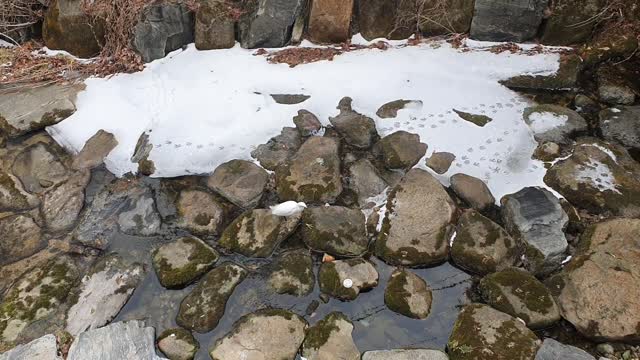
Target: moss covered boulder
[330, 338]
[13, 196]
[269, 334]
[67, 27]
[336, 230]
[570, 21]
[293, 273]
[182, 261]
[357, 130]
[203, 308]
[482, 246]
[20, 237]
[554, 123]
[620, 125]
[416, 227]
[178, 344]
[472, 190]
[599, 290]
[200, 212]
[313, 174]
[600, 177]
[346, 279]
[401, 150]
[256, 233]
[239, 181]
[483, 333]
[408, 294]
[40, 166]
[520, 294]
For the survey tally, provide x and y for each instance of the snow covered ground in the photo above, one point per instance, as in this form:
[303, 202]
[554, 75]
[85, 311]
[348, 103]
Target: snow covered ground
[202, 108]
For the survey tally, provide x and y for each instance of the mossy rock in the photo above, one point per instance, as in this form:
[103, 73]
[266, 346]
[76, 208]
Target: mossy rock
[483, 333]
[330, 338]
[239, 181]
[408, 294]
[520, 294]
[178, 344]
[336, 230]
[293, 274]
[361, 276]
[13, 196]
[476, 119]
[401, 150]
[390, 109]
[20, 238]
[182, 261]
[200, 212]
[356, 129]
[565, 78]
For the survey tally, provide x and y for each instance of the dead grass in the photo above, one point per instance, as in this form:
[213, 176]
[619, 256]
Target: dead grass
[303, 55]
[17, 15]
[414, 14]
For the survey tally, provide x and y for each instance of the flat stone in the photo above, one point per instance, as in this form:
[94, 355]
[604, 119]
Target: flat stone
[293, 274]
[214, 26]
[566, 78]
[239, 181]
[268, 25]
[390, 109]
[553, 350]
[473, 191]
[249, 340]
[178, 344]
[95, 150]
[13, 196]
[44, 348]
[365, 180]
[62, 204]
[336, 230]
[163, 27]
[408, 354]
[183, 261]
[289, 99]
[21, 237]
[476, 119]
[278, 149]
[330, 338]
[200, 212]
[121, 340]
[257, 233]
[440, 162]
[307, 123]
[330, 20]
[357, 130]
[332, 276]
[418, 219]
[620, 125]
[140, 217]
[39, 167]
[203, 308]
[102, 293]
[401, 150]
[313, 174]
[536, 218]
[554, 123]
[482, 246]
[408, 294]
[515, 21]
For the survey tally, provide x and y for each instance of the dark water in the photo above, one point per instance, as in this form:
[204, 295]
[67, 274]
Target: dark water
[375, 327]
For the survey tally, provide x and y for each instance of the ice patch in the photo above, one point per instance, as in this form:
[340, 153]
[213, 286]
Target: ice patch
[545, 121]
[598, 174]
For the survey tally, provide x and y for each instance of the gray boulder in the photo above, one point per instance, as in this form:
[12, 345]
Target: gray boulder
[330, 338]
[268, 24]
[516, 20]
[293, 273]
[239, 181]
[183, 261]
[473, 191]
[44, 348]
[21, 237]
[199, 212]
[402, 354]
[401, 150]
[613, 86]
[39, 167]
[61, 205]
[163, 28]
[408, 294]
[566, 78]
[278, 149]
[553, 123]
[553, 350]
[307, 123]
[365, 180]
[357, 130]
[140, 217]
[536, 218]
[440, 162]
[336, 230]
[346, 279]
[214, 25]
[620, 124]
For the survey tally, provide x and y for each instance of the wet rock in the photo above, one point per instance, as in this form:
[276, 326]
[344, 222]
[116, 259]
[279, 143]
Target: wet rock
[357, 130]
[257, 233]
[140, 217]
[178, 344]
[390, 109]
[62, 204]
[21, 237]
[440, 162]
[278, 149]
[182, 261]
[141, 155]
[547, 151]
[121, 340]
[289, 99]
[408, 354]
[621, 125]
[163, 27]
[293, 274]
[29, 110]
[365, 180]
[44, 348]
[336, 230]
[39, 167]
[67, 27]
[248, 339]
[313, 174]
[330, 338]
[536, 218]
[515, 21]
[553, 123]
[605, 270]
[520, 294]
[608, 47]
[473, 191]
[416, 226]
[239, 181]
[268, 25]
[600, 177]
[13, 196]
[613, 86]
[553, 350]
[378, 19]
[199, 212]
[481, 332]
[567, 12]
[408, 294]
[359, 275]
[102, 293]
[476, 119]
[35, 298]
[330, 20]
[585, 104]
[203, 308]
[565, 78]
[482, 246]
[214, 26]
[95, 150]
[306, 123]
[401, 150]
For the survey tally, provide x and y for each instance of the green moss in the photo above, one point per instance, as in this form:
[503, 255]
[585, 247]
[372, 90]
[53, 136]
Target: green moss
[331, 284]
[201, 259]
[319, 334]
[395, 295]
[299, 266]
[479, 120]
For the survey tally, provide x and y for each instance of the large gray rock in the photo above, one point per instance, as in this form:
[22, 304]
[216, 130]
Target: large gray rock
[408, 294]
[95, 149]
[269, 23]
[121, 340]
[102, 293]
[516, 20]
[182, 261]
[163, 28]
[330, 20]
[293, 273]
[536, 218]
[401, 150]
[203, 308]
[365, 180]
[68, 27]
[620, 125]
[239, 181]
[357, 130]
[401, 354]
[33, 109]
[62, 204]
[415, 229]
[13, 196]
[566, 78]
[560, 26]
[553, 350]
[44, 348]
[553, 123]
[307, 123]
[440, 162]
[200, 212]
[360, 274]
[140, 217]
[473, 191]
[21, 237]
[335, 230]
[278, 149]
[39, 167]
[330, 338]
[249, 340]
[214, 25]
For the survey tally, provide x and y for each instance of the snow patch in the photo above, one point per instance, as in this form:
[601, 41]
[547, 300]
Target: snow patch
[598, 174]
[545, 121]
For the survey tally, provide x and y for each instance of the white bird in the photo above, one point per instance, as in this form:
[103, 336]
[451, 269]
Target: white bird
[288, 208]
